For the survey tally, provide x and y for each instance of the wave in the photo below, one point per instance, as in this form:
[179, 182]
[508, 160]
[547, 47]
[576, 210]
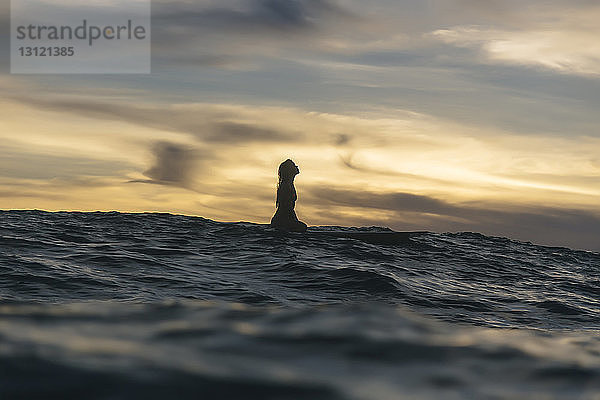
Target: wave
[461, 277]
[194, 349]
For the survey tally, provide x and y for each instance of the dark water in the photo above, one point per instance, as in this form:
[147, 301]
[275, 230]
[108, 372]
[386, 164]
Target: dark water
[122, 306]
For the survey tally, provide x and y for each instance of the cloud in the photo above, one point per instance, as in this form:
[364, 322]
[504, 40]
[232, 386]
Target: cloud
[576, 228]
[249, 16]
[205, 60]
[233, 132]
[342, 139]
[348, 162]
[247, 33]
[208, 123]
[430, 77]
[174, 165]
[239, 28]
[4, 36]
[16, 163]
[382, 201]
[57, 189]
[568, 50]
[30, 194]
[427, 153]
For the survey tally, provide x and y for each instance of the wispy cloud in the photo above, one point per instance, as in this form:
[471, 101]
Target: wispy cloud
[206, 122]
[564, 51]
[559, 36]
[234, 132]
[577, 228]
[230, 33]
[249, 16]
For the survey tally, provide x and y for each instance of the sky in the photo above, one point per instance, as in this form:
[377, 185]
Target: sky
[437, 115]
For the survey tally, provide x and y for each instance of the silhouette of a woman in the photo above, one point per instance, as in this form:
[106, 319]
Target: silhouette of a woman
[285, 217]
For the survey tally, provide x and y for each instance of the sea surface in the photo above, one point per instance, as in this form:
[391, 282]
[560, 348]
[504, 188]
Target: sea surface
[161, 306]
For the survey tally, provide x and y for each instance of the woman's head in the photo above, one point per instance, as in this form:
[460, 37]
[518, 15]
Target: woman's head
[288, 170]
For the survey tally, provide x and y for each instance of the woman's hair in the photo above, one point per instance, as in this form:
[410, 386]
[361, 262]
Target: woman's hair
[286, 170]
[286, 174]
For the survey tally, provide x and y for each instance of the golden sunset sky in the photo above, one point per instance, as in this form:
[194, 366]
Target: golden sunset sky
[439, 115]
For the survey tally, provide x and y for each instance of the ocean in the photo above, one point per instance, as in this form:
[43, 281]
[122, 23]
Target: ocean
[154, 306]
